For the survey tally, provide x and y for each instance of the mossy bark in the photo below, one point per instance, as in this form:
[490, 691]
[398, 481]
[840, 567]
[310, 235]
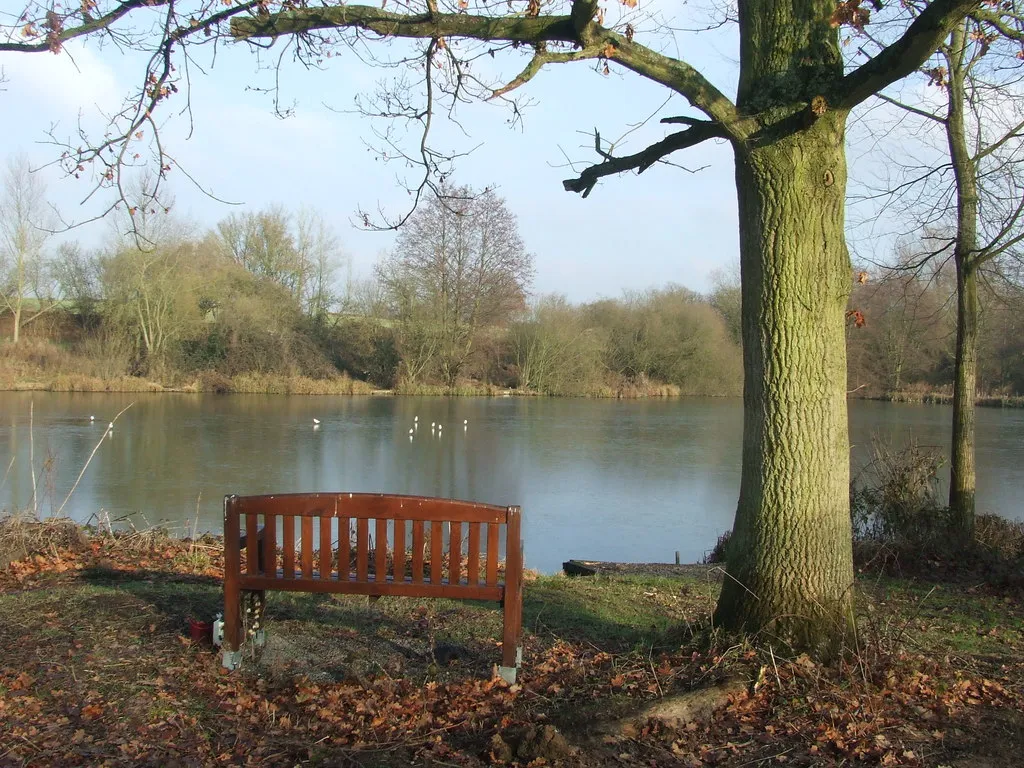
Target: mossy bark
[966, 254]
[790, 557]
[962, 481]
[790, 564]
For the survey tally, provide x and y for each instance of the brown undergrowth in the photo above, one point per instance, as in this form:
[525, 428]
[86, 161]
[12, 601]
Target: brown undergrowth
[98, 670]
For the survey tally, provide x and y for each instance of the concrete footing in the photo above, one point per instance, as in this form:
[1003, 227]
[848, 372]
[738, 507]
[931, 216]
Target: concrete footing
[232, 659]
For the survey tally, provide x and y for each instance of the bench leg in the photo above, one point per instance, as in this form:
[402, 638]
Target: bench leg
[511, 650]
[247, 622]
[232, 622]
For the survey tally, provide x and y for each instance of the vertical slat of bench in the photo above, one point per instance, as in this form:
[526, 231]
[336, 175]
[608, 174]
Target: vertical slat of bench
[417, 552]
[473, 563]
[455, 552]
[492, 554]
[380, 560]
[325, 547]
[436, 546]
[288, 524]
[270, 545]
[307, 547]
[362, 548]
[252, 543]
[399, 551]
[232, 574]
[513, 603]
[344, 548]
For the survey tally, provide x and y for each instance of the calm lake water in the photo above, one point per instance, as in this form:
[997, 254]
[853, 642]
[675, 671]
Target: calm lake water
[598, 479]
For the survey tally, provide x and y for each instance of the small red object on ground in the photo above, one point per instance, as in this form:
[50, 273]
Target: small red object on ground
[200, 630]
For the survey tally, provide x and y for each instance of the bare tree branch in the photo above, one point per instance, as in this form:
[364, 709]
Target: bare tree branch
[642, 160]
[908, 108]
[902, 57]
[532, 30]
[540, 58]
[56, 34]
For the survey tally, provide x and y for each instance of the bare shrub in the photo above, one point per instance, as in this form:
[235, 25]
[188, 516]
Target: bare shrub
[719, 553]
[218, 383]
[22, 536]
[895, 499]
[1004, 538]
[108, 355]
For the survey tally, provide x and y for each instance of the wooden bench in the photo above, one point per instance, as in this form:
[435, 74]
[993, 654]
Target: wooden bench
[416, 551]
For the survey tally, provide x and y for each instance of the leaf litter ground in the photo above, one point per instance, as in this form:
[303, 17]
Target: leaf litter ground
[98, 669]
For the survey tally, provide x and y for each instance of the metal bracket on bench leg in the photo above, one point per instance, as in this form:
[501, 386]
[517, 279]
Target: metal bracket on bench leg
[232, 659]
[508, 674]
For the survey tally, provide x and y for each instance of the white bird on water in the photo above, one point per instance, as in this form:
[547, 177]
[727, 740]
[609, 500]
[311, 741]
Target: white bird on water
[92, 418]
[316, 422]
[410, 432]
[415, 419]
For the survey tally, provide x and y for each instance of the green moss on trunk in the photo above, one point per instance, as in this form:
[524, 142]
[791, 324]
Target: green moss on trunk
[791, 564]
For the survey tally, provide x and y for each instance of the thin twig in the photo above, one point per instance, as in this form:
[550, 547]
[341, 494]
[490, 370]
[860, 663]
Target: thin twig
[8, 472]
[87, 461]
[650, 661]
[778, 680]
[195, 526]
[916, 614]
[32, 455]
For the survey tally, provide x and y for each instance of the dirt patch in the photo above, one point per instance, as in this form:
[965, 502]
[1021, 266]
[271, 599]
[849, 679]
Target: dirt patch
[997, 742]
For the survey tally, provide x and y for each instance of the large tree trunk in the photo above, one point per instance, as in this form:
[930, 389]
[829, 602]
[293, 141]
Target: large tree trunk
[961, 476]
[790, 560]
[790, 564]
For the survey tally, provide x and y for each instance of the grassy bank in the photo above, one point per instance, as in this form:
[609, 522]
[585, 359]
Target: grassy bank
[98, 669]
[244, 384]
[623, 391]
[274, 384]
[938, 397]
[36, 365]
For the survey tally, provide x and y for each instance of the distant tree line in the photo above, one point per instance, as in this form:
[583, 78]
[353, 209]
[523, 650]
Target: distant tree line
[448, 309]
[907, 345]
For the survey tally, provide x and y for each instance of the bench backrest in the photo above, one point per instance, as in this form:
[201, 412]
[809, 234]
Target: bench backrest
[373, 544]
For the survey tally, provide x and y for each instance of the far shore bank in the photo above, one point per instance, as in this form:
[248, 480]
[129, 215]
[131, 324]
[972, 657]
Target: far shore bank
[946, 398]
[275, 384]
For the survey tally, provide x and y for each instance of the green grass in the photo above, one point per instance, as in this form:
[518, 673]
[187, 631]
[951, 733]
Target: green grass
[613, 613]
[617, 612]
[946, 619]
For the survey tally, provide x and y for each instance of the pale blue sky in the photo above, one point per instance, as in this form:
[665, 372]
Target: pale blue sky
[631, 233]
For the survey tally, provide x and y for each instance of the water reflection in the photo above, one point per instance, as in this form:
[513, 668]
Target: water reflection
[597, 479]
